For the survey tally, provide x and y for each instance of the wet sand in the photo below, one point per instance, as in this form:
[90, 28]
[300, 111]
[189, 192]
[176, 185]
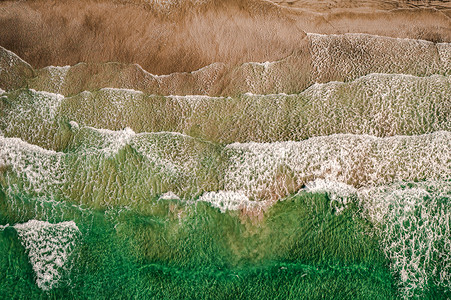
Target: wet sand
[183, 36]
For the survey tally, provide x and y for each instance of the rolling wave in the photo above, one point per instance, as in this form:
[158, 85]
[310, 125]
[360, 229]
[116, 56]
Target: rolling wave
[103, 168]
[376, 104]
[225, 149]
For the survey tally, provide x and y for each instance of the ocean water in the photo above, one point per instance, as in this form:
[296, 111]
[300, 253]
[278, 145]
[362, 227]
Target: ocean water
[340, 190]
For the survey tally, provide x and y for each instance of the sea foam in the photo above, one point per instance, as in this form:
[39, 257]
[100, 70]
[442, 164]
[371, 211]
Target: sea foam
[49, 247]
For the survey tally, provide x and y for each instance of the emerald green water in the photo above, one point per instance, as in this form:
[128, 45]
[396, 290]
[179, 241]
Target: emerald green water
[72, 230]
[299, 249]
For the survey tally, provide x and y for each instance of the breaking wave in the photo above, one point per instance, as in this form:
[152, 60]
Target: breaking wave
[317, 168]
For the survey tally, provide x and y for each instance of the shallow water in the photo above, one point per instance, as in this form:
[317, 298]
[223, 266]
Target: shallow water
[337, 191]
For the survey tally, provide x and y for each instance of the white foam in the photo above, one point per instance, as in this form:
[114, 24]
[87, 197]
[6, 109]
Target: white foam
[339, 192]
[255, 172]
[11, 59]
[57, 77]
[33, 116]
[121, 90]
[375, 104]
[3, 227]
[351, 55]
[444, 50]
[258, 168]
[37, 170]
[49, 247]
[111, 141]
[190, 102]
[74, 125]
[229, 200]
[265, 64]
[313, 35]
[169, 196]
[262, 171]
[413, 223]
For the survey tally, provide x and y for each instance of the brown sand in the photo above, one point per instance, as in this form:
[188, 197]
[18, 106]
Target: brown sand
[184, 36]
[65, 33]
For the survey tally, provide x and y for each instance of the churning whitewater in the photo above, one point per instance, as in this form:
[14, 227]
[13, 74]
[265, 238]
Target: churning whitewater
[322, 171]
